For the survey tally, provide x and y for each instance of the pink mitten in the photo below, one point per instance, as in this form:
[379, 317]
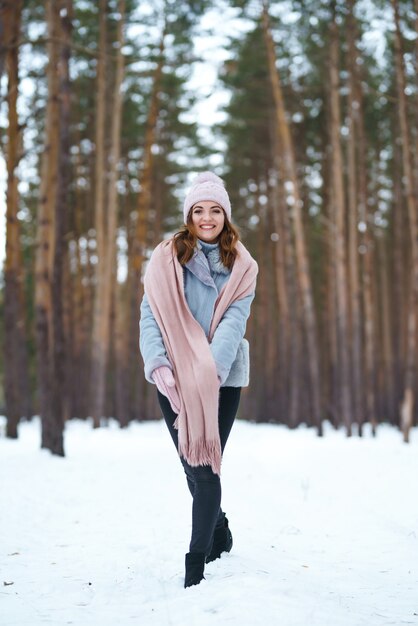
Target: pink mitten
[163, 378]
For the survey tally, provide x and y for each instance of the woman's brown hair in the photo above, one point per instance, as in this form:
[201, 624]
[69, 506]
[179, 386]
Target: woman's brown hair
[184, 242]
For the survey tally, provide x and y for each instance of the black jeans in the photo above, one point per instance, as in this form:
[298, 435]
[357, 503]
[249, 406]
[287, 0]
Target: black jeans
[203, 483]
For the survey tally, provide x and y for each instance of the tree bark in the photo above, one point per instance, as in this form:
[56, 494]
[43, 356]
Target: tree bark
[387, 392]
[138, 248]
[283, 314]
[121, 379]
[353, 219]
[295, 203]
[399, 294]
[8, 11]
[260, 387]
[106, 231]
[52, 427]
[407, 408]
[340, 255]
[16, 380]
[367, 390]
[100, 316]
[59, 391]
[79, 370]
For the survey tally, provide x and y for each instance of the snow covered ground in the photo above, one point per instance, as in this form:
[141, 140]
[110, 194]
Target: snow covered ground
[325, 530]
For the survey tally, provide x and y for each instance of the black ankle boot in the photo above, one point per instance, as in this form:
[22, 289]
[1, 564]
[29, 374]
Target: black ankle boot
[222, 542]
[195, 565]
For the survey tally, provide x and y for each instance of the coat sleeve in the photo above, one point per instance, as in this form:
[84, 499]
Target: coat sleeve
[151, 342]
[229, 334]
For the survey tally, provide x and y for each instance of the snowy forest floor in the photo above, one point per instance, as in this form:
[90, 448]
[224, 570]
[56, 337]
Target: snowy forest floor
[325, 530]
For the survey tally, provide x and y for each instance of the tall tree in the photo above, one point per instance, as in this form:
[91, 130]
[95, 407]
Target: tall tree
[7, 29]
[368, 259]
[106, 210]
[353, 216]
[115, 150]
[137, 253]
[339, 244]
[16, 373]
[412, 207]
[59, 392]
[52, 423]
[289, 165]
[100, 345]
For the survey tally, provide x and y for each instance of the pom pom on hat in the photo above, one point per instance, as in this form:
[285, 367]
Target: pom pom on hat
[207, 186]
[205, 177]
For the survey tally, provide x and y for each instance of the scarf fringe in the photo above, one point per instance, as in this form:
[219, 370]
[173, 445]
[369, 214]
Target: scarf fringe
[203, 452]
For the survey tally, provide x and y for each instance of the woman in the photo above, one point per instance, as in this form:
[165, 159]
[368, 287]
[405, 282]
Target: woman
[199, 286]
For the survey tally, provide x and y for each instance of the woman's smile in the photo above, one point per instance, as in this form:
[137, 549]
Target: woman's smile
[208, 219]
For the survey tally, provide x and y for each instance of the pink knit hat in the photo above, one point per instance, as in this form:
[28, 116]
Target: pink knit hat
[207, 186]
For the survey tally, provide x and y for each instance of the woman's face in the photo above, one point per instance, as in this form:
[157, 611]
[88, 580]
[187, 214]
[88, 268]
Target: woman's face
[208, 219]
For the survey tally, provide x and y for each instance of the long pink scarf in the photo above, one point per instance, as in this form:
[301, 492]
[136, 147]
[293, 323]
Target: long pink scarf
[188, 348]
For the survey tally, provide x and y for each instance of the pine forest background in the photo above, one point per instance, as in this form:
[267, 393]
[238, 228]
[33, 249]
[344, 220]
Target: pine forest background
[318, 145]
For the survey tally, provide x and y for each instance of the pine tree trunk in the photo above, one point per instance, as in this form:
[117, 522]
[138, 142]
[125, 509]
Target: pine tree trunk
[339, 232]
[388, 387]
[261, 414]
[80, 346]
[400, 261]
[68, 329]
[329, 320]
[119, 302]
[8, 11]
[282, 316]
[105, 219]
[407, 408]
[294, 339]
[59, 396]
[52, 427]
[137, 383]
[295, 202]
[367, 258]
[367, 247]
[121, 356]
[139, 242]
[99, 340]
[16, 381]
[353, 219]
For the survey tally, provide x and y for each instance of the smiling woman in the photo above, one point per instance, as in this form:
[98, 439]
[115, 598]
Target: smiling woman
[199, 286]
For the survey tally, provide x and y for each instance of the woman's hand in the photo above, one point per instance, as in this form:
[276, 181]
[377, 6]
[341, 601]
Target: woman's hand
[163, 378]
